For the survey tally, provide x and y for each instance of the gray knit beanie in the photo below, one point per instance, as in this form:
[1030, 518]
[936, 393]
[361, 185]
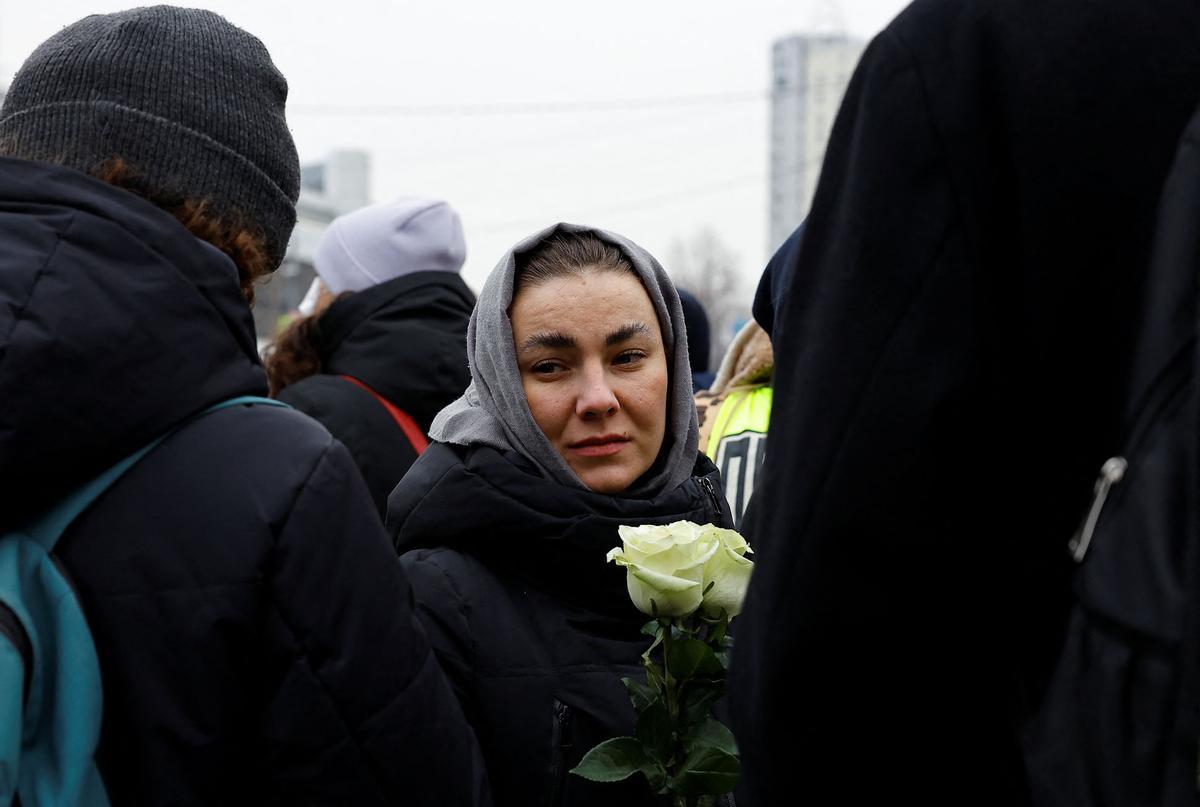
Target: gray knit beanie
[190, 102]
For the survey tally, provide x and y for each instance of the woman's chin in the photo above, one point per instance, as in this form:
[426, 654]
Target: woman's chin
[615, 479]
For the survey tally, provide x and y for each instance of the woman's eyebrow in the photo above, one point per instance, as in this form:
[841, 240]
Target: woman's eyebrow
[626, 332]
[550, 339]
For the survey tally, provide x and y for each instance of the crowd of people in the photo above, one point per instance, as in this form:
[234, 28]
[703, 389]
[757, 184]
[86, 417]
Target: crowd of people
[369, 569]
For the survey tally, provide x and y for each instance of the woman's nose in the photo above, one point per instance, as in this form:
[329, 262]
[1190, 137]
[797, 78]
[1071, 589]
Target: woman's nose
[596, 396]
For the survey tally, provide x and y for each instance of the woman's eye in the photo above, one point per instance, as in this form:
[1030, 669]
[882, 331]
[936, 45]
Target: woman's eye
[629, 357]
[546, 367]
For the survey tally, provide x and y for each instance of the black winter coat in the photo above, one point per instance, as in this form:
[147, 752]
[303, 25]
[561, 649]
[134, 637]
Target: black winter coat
[533, 627]
[951, 361]
[255, 633]
[406, 340]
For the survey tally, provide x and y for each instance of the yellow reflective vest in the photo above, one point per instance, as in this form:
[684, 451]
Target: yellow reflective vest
[733, 433]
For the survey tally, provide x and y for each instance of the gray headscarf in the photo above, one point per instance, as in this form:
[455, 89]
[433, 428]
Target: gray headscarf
[494, 412]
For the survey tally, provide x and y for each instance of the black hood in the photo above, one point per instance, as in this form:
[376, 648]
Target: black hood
[404, 338]
[775, 280]
[115, 324]
[498, 507]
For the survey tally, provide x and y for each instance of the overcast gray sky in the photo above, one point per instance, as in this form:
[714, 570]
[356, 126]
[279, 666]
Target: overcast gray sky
[653, 171]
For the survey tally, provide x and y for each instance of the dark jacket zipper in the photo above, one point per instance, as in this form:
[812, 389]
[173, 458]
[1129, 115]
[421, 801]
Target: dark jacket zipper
[1168, 383]
[560, 749]
[1171, 381]
[711, 490]
[1166, 389]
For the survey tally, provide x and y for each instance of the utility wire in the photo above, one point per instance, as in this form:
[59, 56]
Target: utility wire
[524, 108]
[636, 205]
[551, 107]
[649, 202]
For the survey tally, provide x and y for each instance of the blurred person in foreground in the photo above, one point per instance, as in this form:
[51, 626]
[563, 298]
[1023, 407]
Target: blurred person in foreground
[579, 419]
[952, 346]
[255, 633]
[383, 347]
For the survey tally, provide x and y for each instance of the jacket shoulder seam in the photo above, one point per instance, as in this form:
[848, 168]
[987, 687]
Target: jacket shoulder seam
[462, 604]
[59, 237]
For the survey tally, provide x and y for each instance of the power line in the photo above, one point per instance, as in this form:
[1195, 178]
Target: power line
[550, 107]
[634, 205]
[649, 202]
[526, 108]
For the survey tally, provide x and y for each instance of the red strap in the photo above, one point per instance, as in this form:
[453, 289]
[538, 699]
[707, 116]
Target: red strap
[409, 426]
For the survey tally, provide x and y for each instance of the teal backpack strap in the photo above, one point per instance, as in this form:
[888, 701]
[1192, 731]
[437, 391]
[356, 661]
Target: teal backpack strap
[49, 732]
[245, 400]
[47, 529]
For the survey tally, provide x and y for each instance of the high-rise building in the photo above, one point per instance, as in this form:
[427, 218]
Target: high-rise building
[809, 74]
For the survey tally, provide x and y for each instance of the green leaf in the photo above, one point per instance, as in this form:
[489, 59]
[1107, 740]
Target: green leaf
[716, 633]
[651, 628]
[641, 694]
[658, 639]
[712, 733]
[656, 677]
[699, 700]
[657, 776]
[653, 731]
[692, 658]
[708, 771]
[612, 760]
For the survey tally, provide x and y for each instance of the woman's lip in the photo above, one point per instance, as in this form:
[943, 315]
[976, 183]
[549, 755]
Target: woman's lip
[600, 446]
[600, 449]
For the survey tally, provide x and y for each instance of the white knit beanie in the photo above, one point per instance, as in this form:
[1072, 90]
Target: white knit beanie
[385, 241]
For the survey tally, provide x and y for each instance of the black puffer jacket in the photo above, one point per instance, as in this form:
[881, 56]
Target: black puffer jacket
[255, 633]
[406, 340]
[533, 627]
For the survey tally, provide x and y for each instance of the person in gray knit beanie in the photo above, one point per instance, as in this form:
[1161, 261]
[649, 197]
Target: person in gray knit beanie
[226, 620]
[127, 85]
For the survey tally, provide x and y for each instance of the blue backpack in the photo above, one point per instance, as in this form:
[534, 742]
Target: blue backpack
[50, 695]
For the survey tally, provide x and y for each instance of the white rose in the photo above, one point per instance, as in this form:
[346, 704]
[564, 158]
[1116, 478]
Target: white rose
[665, 565]
[727, 572]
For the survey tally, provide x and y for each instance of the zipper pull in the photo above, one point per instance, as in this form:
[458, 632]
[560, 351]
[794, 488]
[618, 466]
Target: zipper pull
[1112, 472]
[711, 490]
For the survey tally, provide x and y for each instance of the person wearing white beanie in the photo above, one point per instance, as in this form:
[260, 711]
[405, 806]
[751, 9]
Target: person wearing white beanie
[379, 243]
[381, 344]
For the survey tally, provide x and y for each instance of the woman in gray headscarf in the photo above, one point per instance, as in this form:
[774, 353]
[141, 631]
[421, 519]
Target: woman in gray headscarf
[579, 418]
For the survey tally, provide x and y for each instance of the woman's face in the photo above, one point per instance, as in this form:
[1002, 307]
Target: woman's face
[594, 369]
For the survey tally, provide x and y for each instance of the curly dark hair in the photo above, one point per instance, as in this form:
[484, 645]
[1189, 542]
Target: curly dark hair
[245, 245]
[293, 355]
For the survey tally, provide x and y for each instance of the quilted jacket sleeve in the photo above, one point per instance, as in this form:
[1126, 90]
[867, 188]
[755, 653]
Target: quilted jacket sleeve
[445, 614]
[363, 713]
